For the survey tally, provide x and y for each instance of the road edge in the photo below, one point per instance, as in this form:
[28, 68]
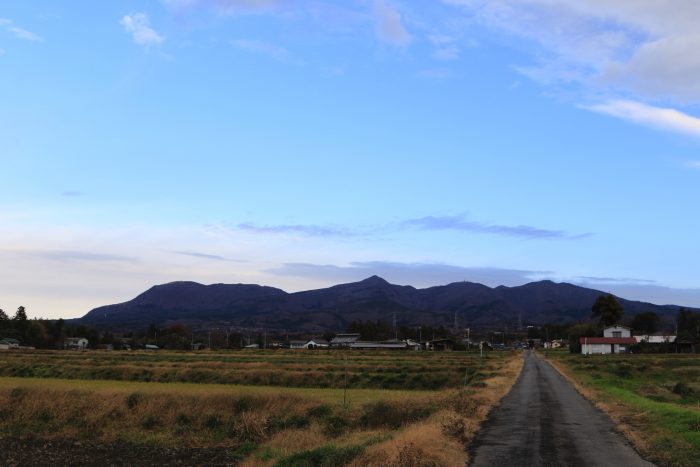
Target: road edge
[469, 446]
[634, 438]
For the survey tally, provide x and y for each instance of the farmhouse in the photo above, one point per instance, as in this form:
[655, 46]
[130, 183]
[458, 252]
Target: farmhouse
[616, 339]
[297, 344]
[344, 340]
[9, 343]
[317, 344]
[656, 338]
[79, 343]
[384, 345]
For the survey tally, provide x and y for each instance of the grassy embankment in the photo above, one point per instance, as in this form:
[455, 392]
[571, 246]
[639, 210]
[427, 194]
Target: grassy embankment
[260, 425]
[654, 399]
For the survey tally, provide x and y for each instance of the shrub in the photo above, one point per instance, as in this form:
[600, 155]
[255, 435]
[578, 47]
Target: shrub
[251, 427]
[149, 422]
[320, 411]
[392, 415]
[17, 393]
[336, 425]
[326, 456]
[411, 455]
[683, 389]
[133, 399]
[212, 422]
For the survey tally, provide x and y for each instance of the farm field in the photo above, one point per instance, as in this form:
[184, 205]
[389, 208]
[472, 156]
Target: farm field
[321, 369]
[158, 407]
[654, 399]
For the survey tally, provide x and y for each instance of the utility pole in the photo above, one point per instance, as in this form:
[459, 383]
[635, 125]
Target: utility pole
[396, 331]
[468, 340]
[456, 326]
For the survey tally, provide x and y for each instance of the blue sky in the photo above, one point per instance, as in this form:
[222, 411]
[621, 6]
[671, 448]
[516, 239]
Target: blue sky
[300, 144]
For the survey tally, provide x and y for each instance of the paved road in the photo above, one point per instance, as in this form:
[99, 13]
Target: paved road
[543, 421]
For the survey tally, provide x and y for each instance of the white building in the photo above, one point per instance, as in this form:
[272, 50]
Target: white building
[617, 331]
[617, 339]
[656, 338]
[79, 343]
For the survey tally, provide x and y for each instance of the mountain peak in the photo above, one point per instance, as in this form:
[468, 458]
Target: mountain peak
[374, 280]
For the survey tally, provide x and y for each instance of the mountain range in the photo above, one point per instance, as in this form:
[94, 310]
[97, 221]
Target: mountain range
[331, 309]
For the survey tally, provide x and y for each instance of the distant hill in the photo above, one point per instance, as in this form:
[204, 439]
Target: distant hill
[332, 308]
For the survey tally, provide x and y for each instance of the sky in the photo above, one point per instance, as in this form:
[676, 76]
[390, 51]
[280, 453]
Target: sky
[301, 144]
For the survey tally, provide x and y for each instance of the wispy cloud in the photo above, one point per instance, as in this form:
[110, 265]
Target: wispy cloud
[226, 6]
[72, 255]
[196, 254]
[461, 223]
[262, 48]
[389, 26]
[417, 274]
[138, 25]
[20, 33]
[298, 229]
[656, 117]
[615, 280]
[694, 165]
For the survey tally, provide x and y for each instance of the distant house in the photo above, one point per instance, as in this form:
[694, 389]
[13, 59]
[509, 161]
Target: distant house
[296, 345]
[656, 338]
[79, 343]
[384, 345]
[317, 344]
[9, 343]
[616, 339]
[440, 344]
[617, 331]
[151, 347]
[198, 346]
[344, 340]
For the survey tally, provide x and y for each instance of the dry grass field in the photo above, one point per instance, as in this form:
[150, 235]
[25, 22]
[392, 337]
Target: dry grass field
[313, 422]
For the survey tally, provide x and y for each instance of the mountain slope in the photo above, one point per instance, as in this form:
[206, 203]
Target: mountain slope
[332, 308]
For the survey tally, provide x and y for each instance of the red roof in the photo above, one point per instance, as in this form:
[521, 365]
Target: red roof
[607, 340]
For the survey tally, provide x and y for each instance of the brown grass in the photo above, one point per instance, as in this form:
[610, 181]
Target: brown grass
[442, 439]
[393, 428]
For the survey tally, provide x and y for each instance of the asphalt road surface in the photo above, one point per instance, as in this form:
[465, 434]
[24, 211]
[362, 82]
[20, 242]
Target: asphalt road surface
[543, 421]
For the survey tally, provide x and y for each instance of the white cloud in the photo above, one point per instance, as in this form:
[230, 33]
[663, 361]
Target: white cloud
[694, 165]
[645, 50]
[26, 35]
[20, 33]
[263, 48]
[389, 26]
[139, 27]
[657, 117]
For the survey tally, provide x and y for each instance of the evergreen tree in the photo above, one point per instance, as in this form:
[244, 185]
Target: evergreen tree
[607, 310]
[21, 314]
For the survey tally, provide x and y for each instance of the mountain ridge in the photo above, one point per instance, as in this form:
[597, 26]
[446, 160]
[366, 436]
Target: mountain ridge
[374, 298]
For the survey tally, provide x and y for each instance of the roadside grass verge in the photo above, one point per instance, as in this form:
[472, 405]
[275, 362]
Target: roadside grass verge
[637, 391]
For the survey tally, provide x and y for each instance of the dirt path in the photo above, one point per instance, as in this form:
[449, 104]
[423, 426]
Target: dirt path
[543, 421]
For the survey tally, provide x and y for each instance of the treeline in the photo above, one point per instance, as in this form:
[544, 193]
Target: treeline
[41, 333]
[381, 330]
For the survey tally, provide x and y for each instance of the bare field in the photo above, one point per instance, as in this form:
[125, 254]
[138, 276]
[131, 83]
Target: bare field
[256, 425]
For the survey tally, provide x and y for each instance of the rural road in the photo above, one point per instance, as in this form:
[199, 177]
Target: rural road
[543, 421]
